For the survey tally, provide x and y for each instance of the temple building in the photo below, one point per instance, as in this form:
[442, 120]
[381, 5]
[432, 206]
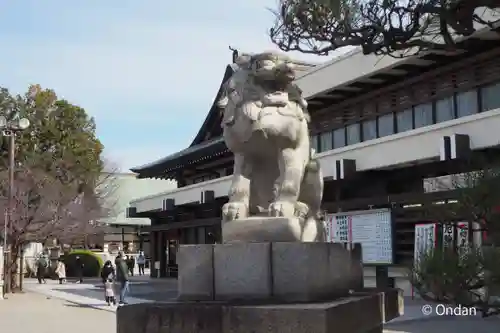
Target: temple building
[382, 128]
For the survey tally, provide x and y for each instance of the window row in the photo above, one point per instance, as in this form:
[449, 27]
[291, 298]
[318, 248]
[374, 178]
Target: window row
[204, 178]
[456, 106]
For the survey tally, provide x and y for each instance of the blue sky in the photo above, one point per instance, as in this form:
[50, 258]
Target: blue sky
[146, 70]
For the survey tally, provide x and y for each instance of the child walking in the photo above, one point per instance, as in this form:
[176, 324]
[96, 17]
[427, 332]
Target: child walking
[61, 270]
[109, 292]
[108, 276]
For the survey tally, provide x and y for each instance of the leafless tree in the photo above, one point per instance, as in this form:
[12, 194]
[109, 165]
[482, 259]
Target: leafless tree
[395, 27]
[42, 208]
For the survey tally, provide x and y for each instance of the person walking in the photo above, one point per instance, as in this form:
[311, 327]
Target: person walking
[141, 262]
[109, 292]
[61, 270]
[107, 272]
[108, 277]
[41, 269]
[131, 265]
[79, 269]
[122, 277]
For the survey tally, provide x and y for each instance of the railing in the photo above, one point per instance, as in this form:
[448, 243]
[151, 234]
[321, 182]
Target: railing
[183, 195]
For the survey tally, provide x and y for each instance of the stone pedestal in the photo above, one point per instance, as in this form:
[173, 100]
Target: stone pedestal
[272, 229]
[278, 271]
[252, 285]
[354, 314]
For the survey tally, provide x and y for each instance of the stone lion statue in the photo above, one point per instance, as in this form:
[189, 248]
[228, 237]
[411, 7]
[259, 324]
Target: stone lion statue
[265, 125]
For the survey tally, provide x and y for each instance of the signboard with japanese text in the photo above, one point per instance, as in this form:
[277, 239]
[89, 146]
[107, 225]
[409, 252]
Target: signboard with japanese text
[370, 228]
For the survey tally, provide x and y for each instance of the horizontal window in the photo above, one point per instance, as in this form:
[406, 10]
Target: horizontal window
[386, 125]
[467, 103]
[404, 120]
[353, 134]
[490, 97]
[369, 129]
[423, 115]
[325, 141]
[445, 109]
[314, 143]
[339, 137]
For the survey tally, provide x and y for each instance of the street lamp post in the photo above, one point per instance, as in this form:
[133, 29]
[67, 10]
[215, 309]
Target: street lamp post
[9, 129]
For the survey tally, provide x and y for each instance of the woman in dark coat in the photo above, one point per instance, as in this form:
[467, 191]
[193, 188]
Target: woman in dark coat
[107, 272]
[41, 269]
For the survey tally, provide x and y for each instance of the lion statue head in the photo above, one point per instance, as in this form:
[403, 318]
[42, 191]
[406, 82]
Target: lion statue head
[265, 79]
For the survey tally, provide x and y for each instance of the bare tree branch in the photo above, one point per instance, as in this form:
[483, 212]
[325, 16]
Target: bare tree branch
[377, 26]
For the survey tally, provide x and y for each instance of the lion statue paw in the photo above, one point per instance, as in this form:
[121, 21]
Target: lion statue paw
[234, 211]
[282, 209]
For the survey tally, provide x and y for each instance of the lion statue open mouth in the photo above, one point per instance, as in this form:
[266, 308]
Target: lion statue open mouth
[265, 123]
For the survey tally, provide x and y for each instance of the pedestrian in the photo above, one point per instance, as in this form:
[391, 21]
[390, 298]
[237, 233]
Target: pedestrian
[109, 292]
[108, 278]
[41, 269]
[131, 265]
[61, 270]
[141, 262]
[122, 277]
[79, 269]
[107, 272]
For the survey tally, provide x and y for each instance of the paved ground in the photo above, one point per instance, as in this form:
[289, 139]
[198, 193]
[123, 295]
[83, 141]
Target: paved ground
[73, 298]
[91, 293]
[34, 313]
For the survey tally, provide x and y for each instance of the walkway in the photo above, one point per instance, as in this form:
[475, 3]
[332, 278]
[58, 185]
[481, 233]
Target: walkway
[143, 289]
[33, 313]
[91, 293]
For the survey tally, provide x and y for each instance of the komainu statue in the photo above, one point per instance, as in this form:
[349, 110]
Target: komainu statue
[265, 125]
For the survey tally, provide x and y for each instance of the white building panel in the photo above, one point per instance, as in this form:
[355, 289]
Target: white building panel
[416, 145]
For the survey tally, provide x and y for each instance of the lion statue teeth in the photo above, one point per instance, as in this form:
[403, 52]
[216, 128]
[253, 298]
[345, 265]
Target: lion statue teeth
[265, 125]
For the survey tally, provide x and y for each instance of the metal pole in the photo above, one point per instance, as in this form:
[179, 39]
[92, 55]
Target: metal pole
[123, 239]
[8, 268]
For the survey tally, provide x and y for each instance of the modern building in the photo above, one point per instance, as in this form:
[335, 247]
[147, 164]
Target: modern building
[122, 231]
[382, 128]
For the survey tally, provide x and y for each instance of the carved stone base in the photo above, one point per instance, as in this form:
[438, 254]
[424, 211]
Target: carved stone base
[354, 314]
[285, 272]
[272, 229]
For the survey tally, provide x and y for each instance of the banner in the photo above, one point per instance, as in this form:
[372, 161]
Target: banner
[425, 239]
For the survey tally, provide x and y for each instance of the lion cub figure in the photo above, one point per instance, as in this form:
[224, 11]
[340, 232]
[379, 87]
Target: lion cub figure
[265, 125]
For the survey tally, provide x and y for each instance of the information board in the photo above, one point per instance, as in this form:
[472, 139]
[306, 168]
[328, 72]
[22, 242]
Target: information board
[371, 228]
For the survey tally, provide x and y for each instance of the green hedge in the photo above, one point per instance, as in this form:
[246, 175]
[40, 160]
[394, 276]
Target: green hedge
[92, 263]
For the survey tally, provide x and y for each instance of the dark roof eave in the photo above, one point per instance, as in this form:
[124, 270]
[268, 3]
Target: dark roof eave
[212, 113]
[187, 156]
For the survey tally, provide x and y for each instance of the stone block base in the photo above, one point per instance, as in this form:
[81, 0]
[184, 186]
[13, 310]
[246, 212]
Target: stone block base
[285, 272]
[356, 314]
[272, 229]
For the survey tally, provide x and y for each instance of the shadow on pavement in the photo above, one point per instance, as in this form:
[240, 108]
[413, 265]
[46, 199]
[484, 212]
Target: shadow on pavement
[446, 324]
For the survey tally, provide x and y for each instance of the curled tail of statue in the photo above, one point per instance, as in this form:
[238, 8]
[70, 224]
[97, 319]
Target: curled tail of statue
[311, 192]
